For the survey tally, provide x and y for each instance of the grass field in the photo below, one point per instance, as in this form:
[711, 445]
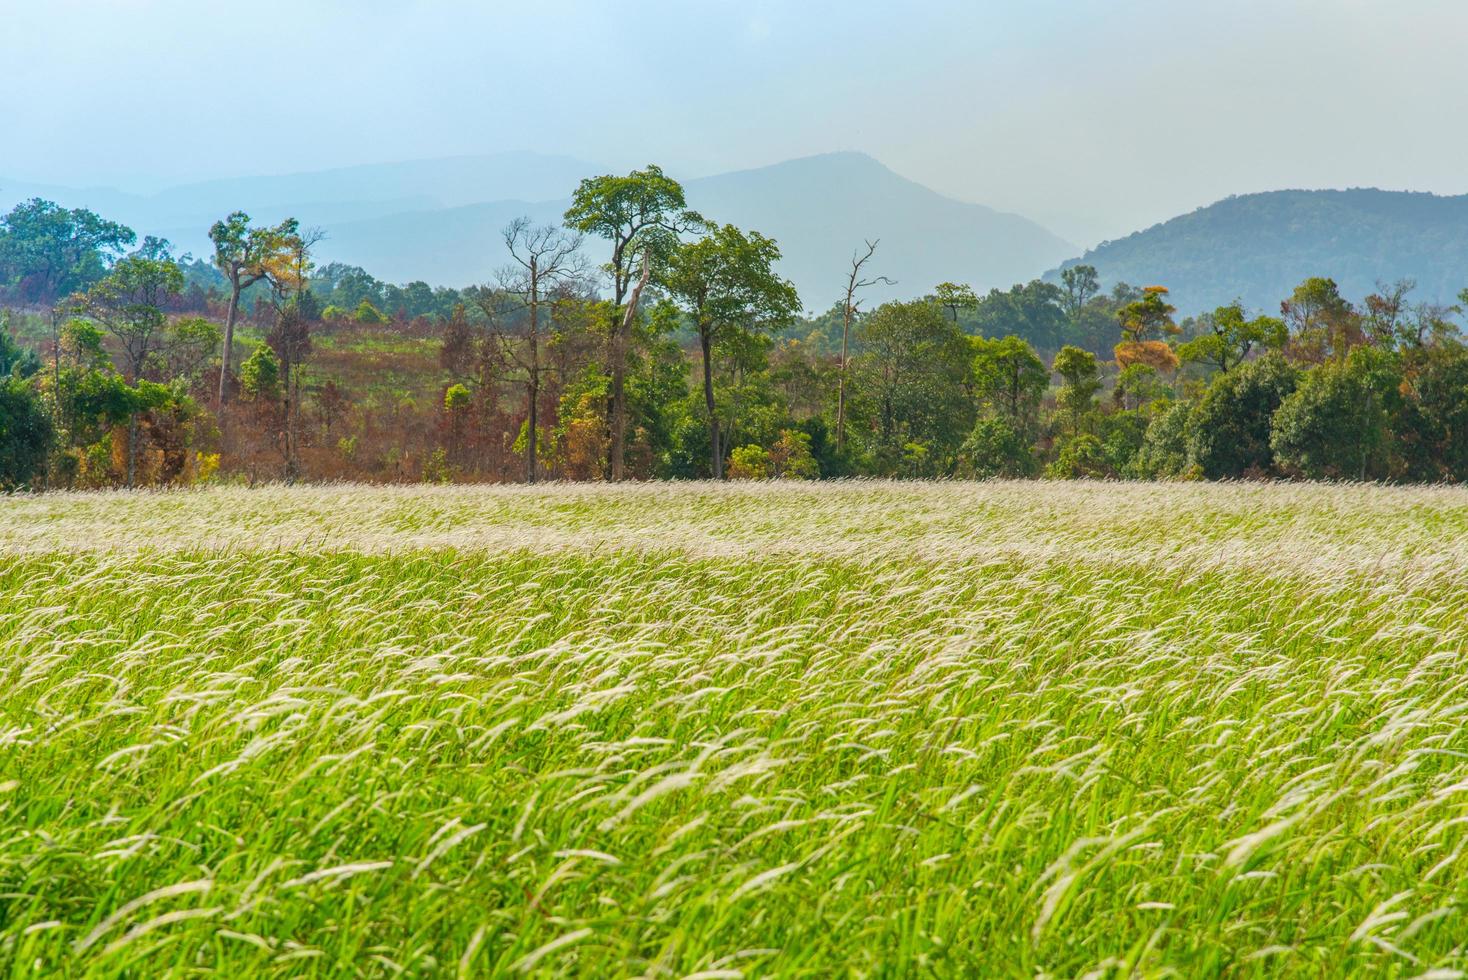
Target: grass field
[779, 730]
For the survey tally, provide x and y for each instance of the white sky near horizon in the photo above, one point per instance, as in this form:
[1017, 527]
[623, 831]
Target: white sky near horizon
[1094, 117]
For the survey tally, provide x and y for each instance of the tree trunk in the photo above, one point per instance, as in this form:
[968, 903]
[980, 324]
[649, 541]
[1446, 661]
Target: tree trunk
[132, 448]
[841, 383]
[532, 409]
[234, 308]
[716, 455]
[619, 372]
[292, 420]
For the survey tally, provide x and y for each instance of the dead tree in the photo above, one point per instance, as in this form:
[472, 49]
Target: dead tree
[545, 259]
[854, 284]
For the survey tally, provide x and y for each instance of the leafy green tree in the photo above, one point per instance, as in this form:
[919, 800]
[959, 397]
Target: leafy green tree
[1229, 431]
[641, 215]
[1231, 336]
[15, 359]
[80, 345]
[1432, 430]
[1323, 325]
[913, 369]
[1031, 311]
[1336, 424]
[128, 302]
[1123, 435]
[47, 251]
[1080, 381]
[1010, 379]
[1149, 317]
[368, 314]
[246, 256]
[25, 433]
[955, 298]
[1164, 451]
[1079, 284]
[1139, 386]
[189, 344]
[727, 285]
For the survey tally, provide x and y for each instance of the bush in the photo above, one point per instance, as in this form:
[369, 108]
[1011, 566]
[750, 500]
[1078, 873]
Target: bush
[456, 398]
[1080, 457]
[367, 313]
[998, 448]
[791, 459]
[260, 374]
[1122, 436]
[750, 463]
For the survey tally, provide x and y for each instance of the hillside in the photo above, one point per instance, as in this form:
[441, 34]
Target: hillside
[440, 220]
[1258, 247]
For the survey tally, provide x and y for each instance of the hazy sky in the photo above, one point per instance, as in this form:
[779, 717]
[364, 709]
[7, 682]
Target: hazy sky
[1095, 117]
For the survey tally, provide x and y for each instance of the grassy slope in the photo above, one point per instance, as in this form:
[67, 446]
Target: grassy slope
[778, 730]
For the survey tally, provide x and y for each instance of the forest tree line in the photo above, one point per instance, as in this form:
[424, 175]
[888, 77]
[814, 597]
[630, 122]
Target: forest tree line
[641, 340]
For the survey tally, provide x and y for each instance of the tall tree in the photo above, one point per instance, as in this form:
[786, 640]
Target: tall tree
[1080, 381]
[48, 252]
[855, 283]
[246, 256]
[1030, 311]
[1144, 321]
[1231, 336]
[1010, 379]
[1079, 284]
[642, 215]
[26, 433]
[128, 301]
[1323, 324]
[545, 259]
[914, 367]
[727, 284]
[955, 298]
[296, 310]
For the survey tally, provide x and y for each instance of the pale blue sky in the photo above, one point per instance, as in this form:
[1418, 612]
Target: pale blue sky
[1092, 116]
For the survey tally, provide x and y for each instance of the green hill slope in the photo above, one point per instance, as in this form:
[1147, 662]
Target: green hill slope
[1258, 247]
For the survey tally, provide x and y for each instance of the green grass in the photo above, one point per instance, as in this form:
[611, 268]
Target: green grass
[879, 729]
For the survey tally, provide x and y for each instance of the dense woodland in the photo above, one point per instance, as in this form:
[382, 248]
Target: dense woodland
[641, 340]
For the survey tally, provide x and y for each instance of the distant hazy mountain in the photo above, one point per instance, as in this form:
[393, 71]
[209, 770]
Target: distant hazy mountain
[324, 198]
[819, 209]
[446, 183]
[1258, 247]
[440, 220]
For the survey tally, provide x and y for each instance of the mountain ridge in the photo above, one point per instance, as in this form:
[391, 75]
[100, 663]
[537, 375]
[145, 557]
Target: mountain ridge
[1257, 247]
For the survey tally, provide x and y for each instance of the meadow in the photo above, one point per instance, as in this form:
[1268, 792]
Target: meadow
[703, 731]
